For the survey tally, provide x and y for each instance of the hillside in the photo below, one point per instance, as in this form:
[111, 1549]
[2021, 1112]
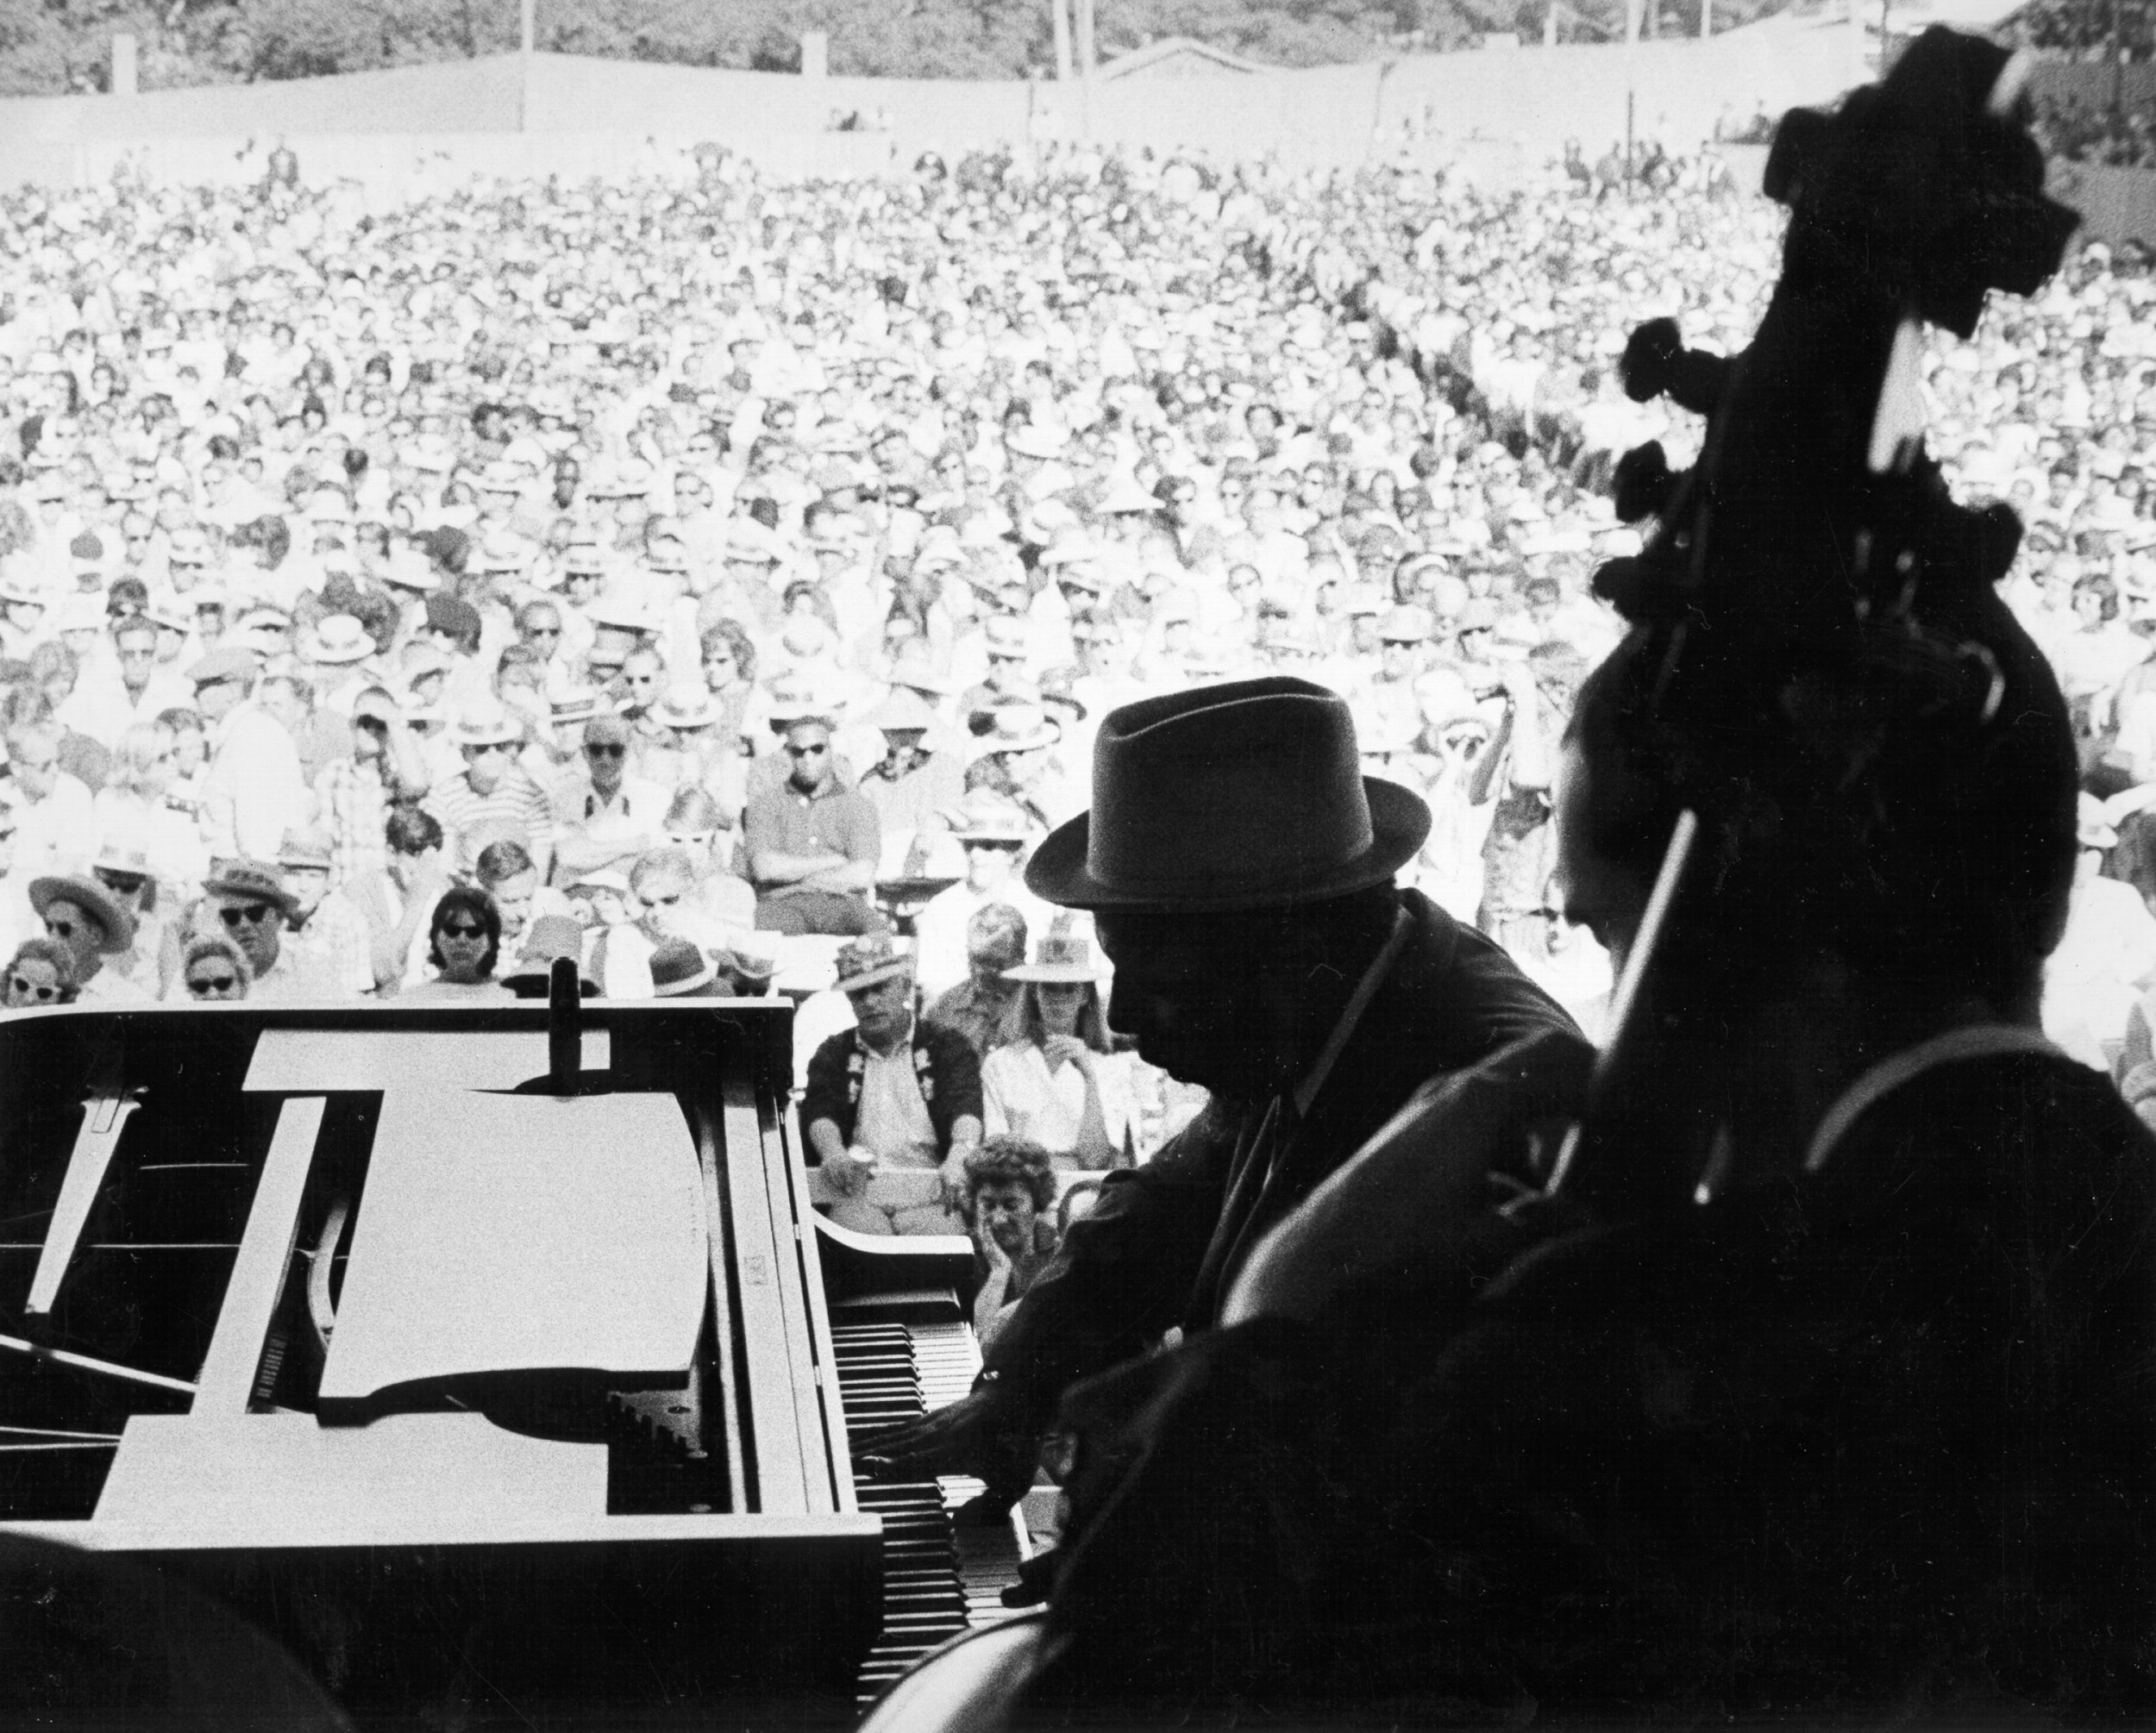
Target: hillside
[53, 46]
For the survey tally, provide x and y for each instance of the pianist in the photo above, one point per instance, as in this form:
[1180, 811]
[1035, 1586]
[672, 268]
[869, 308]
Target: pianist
[1240, 869]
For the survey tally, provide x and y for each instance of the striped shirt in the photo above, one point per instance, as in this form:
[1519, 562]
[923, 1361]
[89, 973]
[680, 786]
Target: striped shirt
[516, 807]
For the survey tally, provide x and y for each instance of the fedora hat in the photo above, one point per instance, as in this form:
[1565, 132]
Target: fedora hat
[1062, 959]
[549, 937]
[1003, 636]
[94, 900]
[309, 850]
[679, 968]
[872, 958]
[256, 880]
[1243, 796]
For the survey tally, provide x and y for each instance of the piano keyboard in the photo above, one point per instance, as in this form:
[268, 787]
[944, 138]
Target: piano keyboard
[938, 1580]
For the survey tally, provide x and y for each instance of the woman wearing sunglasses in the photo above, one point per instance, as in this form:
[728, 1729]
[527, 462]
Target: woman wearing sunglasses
[213, 969]
[464, 943]
[40, 974]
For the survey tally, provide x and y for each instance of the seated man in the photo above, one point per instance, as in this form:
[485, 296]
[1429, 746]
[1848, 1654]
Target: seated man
[892, 1106]
[250, 902]
[813, 843]
[84, 915]
[980, 1006]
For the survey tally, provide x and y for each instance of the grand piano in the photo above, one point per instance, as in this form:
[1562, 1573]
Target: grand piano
[486, 1358]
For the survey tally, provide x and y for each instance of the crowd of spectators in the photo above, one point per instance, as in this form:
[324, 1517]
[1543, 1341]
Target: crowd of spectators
[2116, 135]
[700, 578]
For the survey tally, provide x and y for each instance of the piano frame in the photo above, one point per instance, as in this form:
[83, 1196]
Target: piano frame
[386, 1604]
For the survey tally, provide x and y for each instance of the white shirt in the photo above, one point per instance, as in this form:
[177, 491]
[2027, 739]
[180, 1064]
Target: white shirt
[891, 1118]
[1019, 1095]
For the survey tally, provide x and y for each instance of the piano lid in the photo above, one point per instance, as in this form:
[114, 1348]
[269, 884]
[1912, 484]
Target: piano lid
[521, 1234]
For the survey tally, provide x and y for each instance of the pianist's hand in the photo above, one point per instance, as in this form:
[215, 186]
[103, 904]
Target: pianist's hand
[973, 1435]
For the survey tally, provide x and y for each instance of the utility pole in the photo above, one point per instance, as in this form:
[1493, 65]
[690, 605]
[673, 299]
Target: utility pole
[1059, 15]
[1706, 19]
[526, 25]
[1085, 69]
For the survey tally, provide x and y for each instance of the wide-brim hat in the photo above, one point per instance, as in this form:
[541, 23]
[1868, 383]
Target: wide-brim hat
[94, 899]
[1062, 959]
[1124, 495]
[1244, 796]
[254, 879]
[1032, 442]
[903, 710]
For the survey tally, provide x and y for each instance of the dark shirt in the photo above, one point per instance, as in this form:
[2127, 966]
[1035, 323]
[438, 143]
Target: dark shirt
[1164, 1240]
[1873, 1443]
[949, 1071]
[838, 820]
[978, 1016]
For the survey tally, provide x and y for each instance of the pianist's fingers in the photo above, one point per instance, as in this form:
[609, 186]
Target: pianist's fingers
[956, 1440]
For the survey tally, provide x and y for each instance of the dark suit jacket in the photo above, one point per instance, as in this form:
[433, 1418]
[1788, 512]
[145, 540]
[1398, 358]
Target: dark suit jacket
[1876, 1444]
[1164, 1240]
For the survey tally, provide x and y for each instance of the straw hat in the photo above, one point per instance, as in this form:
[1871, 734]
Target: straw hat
[254, 879]
[1020, 728]
[337, 639]
[1060, 958]
[870, 958]
[116, 922]
[687, 705]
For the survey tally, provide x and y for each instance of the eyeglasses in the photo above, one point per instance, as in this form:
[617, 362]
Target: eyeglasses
[462, 929]
[250, 914]
[60, 930]
[22, 985]
[202, 984]
[605, 748]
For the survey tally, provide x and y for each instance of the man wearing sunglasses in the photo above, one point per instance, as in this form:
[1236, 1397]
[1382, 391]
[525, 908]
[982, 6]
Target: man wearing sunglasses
[603, 816]
[493, 795]
[249, 903]
[813, 843]
[95, 926]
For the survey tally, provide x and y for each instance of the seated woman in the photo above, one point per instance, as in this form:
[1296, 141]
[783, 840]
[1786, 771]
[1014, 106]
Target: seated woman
[1009, 1186]
[41, 973]
[1056, 1081]
[464, 943]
